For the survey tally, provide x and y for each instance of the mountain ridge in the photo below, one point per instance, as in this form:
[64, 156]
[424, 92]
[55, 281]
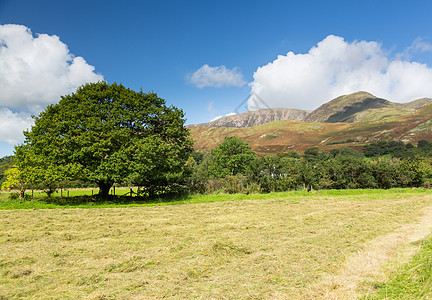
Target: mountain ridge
[355, 122]
[359, 106]
[257, 117]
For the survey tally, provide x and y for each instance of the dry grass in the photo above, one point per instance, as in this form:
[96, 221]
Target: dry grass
[239, 249]
[379, 258]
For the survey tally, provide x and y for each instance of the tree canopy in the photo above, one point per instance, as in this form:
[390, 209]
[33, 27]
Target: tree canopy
[106, 133]
[231, 157]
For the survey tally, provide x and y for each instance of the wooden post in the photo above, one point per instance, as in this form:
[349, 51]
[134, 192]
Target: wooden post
[114, 190]
[68, 194]
[32, 193]
[61, 193]
[92, 192]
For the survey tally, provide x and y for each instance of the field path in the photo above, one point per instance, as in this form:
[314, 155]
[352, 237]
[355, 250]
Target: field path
[373, 262]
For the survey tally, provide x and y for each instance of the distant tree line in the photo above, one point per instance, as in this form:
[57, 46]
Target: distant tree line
[398, 149]
[233, 167]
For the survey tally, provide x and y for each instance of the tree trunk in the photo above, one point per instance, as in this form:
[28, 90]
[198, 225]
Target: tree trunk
[104, 188]
[21, 194]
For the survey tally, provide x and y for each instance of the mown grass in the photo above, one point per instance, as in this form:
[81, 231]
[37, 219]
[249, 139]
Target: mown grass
[412, 281]
[219, 246]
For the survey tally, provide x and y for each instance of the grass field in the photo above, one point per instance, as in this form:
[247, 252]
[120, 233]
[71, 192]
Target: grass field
[218, 246]
[411, 281]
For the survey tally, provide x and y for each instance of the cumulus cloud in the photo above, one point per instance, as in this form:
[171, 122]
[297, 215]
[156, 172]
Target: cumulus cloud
[335, 67]
[36, 70]
[12, 125]
[219, 76]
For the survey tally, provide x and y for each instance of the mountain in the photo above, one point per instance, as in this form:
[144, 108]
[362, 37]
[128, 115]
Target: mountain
[344, 108]
[257, 117]
[351, 120]
[362, 106]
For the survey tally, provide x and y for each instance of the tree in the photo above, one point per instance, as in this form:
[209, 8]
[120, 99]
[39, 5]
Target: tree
[231, 157]
[22, 174]
[423, 144]
[109, 134]
[313, 154]
[348, 151]
[200, 164]
[38, 171]
[348, 172]
[5, 163]
[15, 180]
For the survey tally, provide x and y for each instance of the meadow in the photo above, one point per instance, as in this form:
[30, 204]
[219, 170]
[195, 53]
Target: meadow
[295, 245]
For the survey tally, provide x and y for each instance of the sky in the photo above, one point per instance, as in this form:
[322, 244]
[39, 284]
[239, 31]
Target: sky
[211, 58]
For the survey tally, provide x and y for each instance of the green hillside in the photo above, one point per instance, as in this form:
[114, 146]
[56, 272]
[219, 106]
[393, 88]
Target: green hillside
[391, 121]
[362, 106]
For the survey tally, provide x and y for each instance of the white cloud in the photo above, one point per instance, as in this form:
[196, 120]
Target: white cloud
[335, 67]
[420, 46]
[36, 70]
[12, 126]
[220, 76]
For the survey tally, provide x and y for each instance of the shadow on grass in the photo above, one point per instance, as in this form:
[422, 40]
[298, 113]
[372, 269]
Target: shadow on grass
[110, 200]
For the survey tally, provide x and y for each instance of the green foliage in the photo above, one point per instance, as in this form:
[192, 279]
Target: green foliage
[423, 144]
[398, 149]
[348, 151]
[313, 154]
[232, 157]
[347, 172]
[108, 134]
[16, 180]
[344, 168]
[200, 174]
[5, 163]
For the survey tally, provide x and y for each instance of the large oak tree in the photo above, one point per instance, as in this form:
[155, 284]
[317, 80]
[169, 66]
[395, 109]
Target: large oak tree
[108, 133]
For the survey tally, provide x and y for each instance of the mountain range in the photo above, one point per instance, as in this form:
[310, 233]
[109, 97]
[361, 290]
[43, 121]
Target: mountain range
[353, 120]
[257, 117]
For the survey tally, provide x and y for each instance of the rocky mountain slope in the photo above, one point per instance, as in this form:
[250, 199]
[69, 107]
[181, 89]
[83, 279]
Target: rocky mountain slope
[257, 117]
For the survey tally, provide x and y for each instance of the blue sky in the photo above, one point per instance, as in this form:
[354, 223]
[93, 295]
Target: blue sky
[159, 45]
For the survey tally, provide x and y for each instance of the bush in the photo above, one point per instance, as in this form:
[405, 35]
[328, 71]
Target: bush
[16, 196]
